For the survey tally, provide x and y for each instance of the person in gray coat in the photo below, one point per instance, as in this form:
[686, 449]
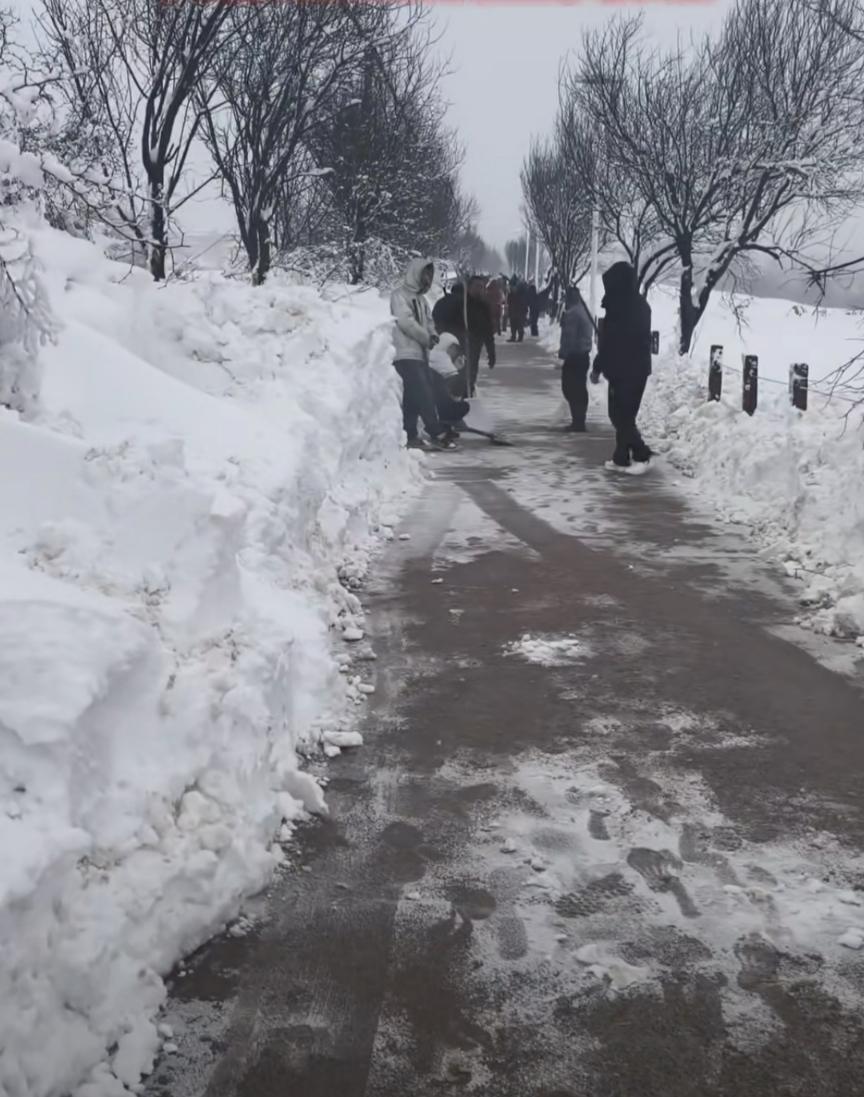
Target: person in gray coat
[414, 336]
[577, 339]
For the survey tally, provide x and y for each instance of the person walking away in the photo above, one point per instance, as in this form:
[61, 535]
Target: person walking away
[450, 314]
[624, 359]
[517, 306]
[577, 339]
[414, 336]
[533, 307]
[495, 301]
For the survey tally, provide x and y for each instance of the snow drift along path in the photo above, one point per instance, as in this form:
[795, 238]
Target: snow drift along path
[205, 459]
[795, 480]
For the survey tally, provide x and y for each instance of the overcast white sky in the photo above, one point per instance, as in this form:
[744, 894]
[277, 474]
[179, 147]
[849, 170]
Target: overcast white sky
[504, 83]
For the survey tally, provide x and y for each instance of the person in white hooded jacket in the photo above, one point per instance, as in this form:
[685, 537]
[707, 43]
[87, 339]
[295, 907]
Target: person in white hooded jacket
[414, 336]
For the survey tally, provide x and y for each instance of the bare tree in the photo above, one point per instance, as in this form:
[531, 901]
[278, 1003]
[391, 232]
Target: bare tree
[93, 125]
[137, 67]
[515, 251]
[725, 142]
[559, 203]
[392, 165]
[292, 66]
[626, 216]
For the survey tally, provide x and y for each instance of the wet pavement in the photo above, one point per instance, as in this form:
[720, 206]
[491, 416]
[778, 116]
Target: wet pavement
[604, 838]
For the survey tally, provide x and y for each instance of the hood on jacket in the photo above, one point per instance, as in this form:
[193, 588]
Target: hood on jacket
[411, 281]
[619, 282]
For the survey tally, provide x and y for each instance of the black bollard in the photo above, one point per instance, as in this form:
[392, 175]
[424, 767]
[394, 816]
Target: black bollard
[715, 373]
[799, 383]
[750, 395]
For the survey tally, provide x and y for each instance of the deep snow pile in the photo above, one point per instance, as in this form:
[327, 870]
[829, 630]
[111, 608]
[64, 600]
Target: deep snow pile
[205, 458]
[795, 480]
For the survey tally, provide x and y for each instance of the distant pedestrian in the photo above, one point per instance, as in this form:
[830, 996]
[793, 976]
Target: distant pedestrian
[624, 359]
[414, 336]
[577, 339]
[517, 307]
[495, 301]
[533, 307]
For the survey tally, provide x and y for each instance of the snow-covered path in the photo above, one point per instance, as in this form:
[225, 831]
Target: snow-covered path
[605, 834]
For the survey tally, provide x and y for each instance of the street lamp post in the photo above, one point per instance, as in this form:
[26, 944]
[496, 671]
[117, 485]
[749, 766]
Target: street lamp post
[595, 238]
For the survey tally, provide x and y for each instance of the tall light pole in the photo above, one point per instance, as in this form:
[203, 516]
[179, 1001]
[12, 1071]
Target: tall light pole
[527, 249]
[595, 228]
[595, 239]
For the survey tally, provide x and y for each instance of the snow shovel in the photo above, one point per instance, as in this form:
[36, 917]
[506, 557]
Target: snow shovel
[478, 415]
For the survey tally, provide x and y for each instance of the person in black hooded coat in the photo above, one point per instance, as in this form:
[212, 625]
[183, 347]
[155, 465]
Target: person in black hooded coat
[448, 315]
[624, 359]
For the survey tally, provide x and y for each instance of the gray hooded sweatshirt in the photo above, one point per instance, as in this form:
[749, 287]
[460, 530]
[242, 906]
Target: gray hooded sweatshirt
[577, 331]
[413, 328]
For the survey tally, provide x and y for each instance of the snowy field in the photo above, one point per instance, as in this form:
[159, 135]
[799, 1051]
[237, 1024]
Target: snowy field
[205, 462]
[795, 480]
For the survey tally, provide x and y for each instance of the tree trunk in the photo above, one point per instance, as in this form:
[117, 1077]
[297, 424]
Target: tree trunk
[357, 262]
[688, 313]
[158, 228]
[263, 257]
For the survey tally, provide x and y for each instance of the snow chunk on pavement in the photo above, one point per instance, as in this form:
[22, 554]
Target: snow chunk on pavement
[549, 651]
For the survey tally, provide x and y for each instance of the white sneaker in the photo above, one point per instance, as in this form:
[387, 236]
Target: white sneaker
[638, 468]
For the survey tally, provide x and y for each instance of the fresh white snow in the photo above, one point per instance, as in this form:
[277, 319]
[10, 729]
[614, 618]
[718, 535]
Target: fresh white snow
[205, 460]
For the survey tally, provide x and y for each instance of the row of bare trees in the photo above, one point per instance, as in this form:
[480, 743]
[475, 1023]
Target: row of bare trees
[321, 124]
[696, 158]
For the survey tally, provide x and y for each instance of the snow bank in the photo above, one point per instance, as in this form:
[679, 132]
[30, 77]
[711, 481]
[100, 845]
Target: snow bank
[205, 459]
[796, 480]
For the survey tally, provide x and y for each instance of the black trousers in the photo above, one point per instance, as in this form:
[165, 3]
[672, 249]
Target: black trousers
[517, 329]
[418, 397]
[476, 347]
[535, 318]
[625, 400]
[574, 385]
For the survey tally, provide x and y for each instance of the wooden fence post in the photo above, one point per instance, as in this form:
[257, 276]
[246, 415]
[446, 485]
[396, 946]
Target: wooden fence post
[655, 342]
[715, 373]
[750, 395]
[799, 378]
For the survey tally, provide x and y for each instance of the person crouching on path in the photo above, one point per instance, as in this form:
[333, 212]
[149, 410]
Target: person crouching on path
[414, 336]
[449, 315]
[624, 359]
[577, 339]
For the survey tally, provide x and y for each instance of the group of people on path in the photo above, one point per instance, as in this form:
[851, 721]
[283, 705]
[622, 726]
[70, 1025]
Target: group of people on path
[469, 317]
[515, 303]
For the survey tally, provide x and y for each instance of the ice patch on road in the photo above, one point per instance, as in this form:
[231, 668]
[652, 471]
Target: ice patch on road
[472, 534]
[549, 651]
